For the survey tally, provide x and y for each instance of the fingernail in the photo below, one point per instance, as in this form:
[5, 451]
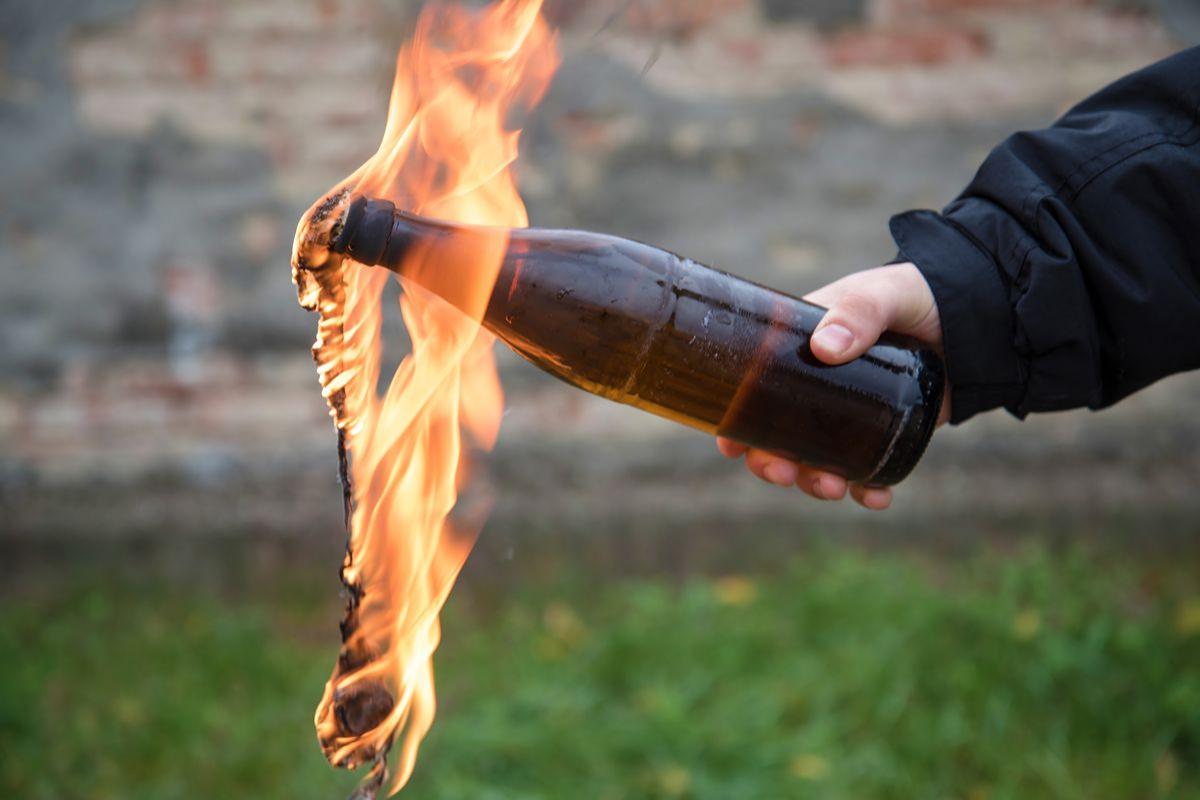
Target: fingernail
[835, 339]
[817, 490]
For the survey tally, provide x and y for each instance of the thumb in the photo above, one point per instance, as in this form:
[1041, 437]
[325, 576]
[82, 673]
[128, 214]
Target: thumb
[853, 323]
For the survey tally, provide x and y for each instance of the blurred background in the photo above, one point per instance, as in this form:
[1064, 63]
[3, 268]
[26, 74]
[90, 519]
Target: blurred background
[640, 618]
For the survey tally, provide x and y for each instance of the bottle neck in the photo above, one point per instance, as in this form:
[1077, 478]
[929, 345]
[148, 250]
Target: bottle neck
[459, 263]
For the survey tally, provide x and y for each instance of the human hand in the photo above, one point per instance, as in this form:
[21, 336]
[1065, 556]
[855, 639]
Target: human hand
[861, 307]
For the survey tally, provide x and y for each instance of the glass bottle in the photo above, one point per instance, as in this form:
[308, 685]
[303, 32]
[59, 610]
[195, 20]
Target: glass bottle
[642, 326]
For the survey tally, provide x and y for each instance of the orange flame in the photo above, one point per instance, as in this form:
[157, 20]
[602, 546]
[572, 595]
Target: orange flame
[447, 153]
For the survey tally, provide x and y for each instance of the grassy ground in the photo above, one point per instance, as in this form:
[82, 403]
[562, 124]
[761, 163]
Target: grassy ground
[846, 675]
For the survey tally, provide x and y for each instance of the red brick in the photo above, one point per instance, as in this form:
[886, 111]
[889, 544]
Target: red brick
[328, 10]
[197, 66]
[934, 44]
[745, 49]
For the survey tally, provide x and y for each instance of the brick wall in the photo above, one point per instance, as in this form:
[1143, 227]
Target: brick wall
[145, 138]
[305, 81]
[156, 156]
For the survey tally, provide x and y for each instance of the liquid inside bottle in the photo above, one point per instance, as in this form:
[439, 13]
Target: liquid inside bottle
[642, 326]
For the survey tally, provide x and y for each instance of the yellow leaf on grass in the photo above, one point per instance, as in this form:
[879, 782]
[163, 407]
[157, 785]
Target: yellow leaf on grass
[1187, 618]
[1026, 624]
[809, 767]
[735, 590]
[673, 780]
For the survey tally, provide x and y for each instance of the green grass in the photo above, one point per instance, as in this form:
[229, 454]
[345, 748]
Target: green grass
[844, 676]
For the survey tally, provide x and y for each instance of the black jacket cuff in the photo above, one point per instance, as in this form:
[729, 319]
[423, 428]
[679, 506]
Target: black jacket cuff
[978, 326]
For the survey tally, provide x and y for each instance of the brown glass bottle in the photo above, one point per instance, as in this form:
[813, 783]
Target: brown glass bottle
[642, 326]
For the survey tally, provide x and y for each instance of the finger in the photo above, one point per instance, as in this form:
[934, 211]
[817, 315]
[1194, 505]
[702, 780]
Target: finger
[755, 461]
[731, 449]
[853, 323]
[772, 468]
[820, 484]
[863, 305]
[871, 497]
[829, 294]
[829, 486]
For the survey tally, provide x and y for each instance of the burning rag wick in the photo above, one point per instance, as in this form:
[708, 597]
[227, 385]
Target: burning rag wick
[447, 151]
[321, 276]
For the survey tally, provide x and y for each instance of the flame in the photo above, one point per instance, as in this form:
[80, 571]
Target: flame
[446, 152]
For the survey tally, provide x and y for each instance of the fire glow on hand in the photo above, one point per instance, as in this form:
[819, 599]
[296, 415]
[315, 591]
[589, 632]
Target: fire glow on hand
[446, 153]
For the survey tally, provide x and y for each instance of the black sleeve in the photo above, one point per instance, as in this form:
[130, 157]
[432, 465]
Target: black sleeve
[1068, 272]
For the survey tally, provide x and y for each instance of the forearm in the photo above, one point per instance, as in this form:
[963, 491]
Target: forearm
[1068, 272]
